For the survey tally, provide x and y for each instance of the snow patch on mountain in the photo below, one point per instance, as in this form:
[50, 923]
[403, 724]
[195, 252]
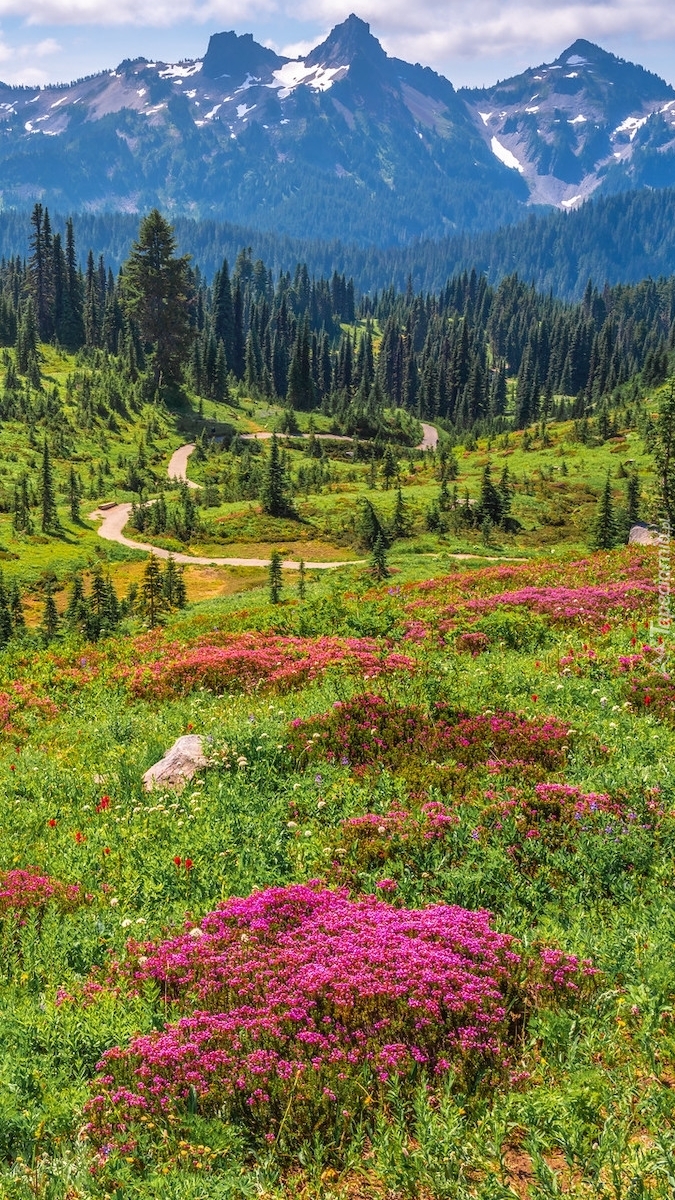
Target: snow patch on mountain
[294, 73]
[631, 126]
[181, 71]
[505, 156]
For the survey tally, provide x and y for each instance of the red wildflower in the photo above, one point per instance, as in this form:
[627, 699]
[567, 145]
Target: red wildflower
[177, 860]
[188, 864]
[106, 849]
[52, 822]
[103, 803]
[79, 837]
[534, 699]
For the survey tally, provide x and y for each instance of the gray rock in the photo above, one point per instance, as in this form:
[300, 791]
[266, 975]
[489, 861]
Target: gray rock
[641, 535]
[179, 764]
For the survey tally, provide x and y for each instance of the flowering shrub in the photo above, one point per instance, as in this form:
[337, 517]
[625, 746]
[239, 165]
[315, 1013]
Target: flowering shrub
[22, 699]
[368, 732]
[581, 605]
[622, 583]
[369, 841]
[472, 643]
[653, 692]
[255, 660]
[24, 889]
[554, 815]
[302, 997]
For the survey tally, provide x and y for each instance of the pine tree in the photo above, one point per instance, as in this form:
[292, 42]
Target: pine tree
[302, 580]
[505, 492]
[170, 582]
[604, 530]
[74, 494]
[77, 608]
[275, 577]
[6, 623]
[180, 591]
[152, 591]
[273, 493]
[21, 518]
[16, 607]
[632, 499]
[157, 294]
[50, 617]
[98, 597]
[389, 466]
[49, 520]
[400, 525]
[369, 526]
[490, 503]
[664, 453]
[378, 559]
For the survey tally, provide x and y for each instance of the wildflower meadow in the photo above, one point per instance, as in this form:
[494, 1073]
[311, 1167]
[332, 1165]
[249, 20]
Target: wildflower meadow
[408, 932]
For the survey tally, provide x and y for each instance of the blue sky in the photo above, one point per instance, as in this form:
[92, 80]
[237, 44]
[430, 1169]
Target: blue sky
[470, 41]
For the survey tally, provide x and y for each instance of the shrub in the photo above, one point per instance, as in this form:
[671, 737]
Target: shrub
[303, 999]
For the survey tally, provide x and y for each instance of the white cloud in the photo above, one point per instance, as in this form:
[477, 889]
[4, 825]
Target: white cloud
[23, 68]
[435, 31]
[446, 34]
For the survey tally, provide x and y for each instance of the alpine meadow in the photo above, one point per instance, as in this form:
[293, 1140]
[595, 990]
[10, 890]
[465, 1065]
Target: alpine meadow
[337, 696]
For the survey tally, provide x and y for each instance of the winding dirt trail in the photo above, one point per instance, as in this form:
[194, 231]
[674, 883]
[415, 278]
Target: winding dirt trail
[429, 440]
[113, 520]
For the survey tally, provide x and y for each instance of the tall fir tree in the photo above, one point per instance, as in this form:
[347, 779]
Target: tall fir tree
[49, 518]
[158, 296]
[275, 577]
[604, 528]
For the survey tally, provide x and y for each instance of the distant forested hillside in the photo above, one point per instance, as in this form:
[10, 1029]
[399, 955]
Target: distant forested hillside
[617, 239]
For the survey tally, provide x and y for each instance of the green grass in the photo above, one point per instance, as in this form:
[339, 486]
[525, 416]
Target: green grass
[592, 1111]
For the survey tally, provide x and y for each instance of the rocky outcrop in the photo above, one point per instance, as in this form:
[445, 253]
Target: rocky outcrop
[178, 765]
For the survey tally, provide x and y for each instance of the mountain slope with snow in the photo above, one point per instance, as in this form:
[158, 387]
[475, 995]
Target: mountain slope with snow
[345, 143]
[585, 122]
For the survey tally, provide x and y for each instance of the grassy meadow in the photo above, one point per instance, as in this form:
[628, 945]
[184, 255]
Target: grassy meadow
[409, 934]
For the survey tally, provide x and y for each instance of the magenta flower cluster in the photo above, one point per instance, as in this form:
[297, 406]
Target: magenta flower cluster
[252, 660]
[302, 991]
[24, 888]
[369, 730]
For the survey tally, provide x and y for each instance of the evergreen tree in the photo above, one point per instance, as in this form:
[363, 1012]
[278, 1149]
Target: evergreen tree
[74, 494]
[664, 453]
[50, 616]
[300, 387]
[604, 530]
[6, 623]
[389, 467]
[273, 492]
[490, 502]
[152, 591]
[369, 526]
[76, 608]
[632, 499]
[378, 559]
[21, 518]
[302, 580]
[179, 590]
[49, 520]
[157, 293]
[275, 577]
[173, 576]
[400, 525]
[16, 607]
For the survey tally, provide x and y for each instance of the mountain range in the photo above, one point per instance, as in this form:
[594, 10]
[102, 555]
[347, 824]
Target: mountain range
[346, 142]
